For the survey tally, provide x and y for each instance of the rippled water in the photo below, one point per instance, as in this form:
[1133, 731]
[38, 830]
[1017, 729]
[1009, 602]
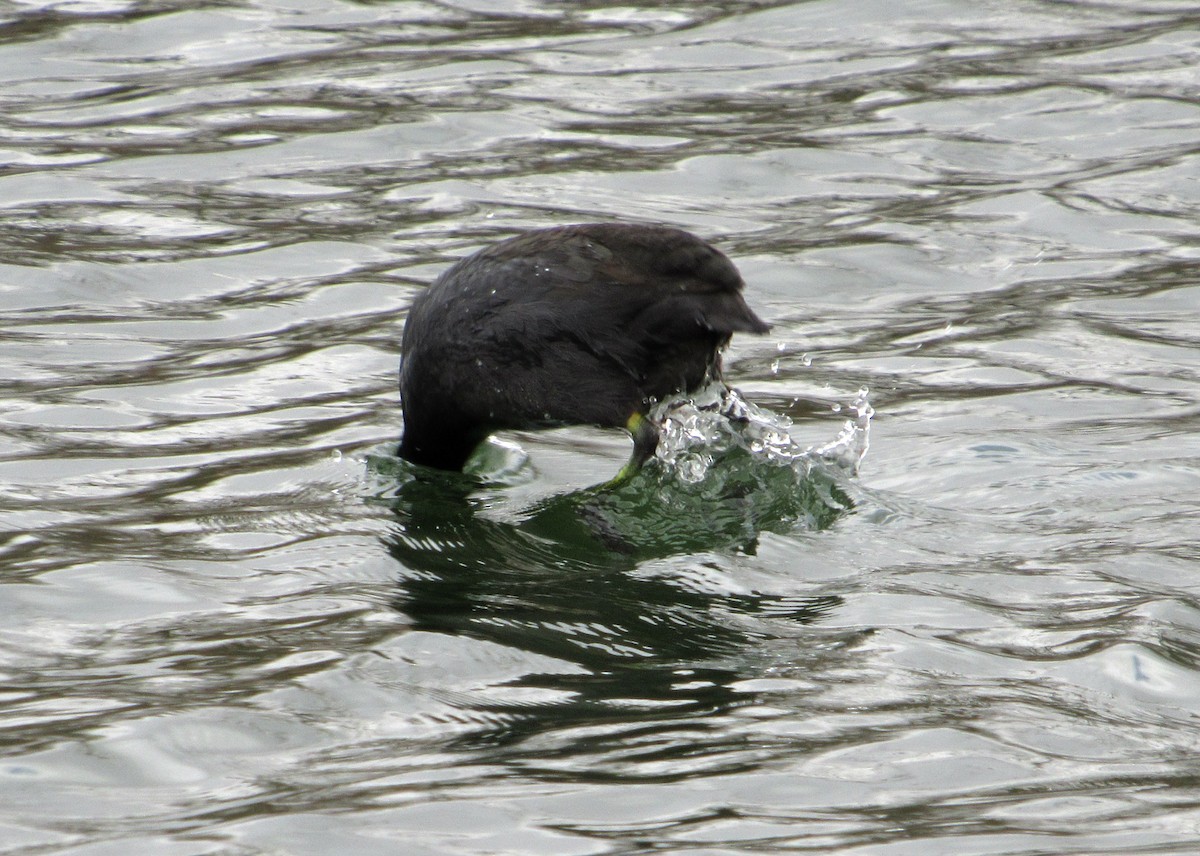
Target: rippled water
[230, 629]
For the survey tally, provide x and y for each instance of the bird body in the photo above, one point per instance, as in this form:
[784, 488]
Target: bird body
[586, 324]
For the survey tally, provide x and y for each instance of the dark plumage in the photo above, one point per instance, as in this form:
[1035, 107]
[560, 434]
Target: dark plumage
[572, 325]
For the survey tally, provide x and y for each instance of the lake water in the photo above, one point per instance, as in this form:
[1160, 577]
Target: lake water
[230, 628]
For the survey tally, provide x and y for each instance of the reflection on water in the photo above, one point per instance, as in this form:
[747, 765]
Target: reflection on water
[988, 641]
[631, 651]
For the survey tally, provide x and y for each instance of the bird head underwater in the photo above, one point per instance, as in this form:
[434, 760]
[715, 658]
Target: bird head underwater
[572, 325]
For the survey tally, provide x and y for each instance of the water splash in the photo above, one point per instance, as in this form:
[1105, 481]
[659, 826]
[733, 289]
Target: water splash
[698, 431]
[848, 449]
[725, 472]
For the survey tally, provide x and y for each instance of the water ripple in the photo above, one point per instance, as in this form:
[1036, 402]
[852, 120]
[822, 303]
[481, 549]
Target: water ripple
[229, 630]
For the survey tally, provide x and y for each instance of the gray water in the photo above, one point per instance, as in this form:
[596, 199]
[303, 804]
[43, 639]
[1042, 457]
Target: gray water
[222, 634]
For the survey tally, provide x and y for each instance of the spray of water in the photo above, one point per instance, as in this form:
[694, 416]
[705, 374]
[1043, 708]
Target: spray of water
[700, 430]
[725, 471]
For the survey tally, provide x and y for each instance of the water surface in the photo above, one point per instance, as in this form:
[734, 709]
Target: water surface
[213, 218]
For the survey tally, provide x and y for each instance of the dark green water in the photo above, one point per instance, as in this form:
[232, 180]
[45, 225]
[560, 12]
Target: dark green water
[229, 629]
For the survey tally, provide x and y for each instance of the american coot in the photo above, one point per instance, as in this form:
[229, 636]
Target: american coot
[584, 324]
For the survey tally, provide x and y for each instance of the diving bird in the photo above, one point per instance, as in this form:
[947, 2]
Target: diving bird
[586, 324]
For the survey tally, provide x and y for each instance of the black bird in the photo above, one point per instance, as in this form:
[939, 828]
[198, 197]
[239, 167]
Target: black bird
[585, 324]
